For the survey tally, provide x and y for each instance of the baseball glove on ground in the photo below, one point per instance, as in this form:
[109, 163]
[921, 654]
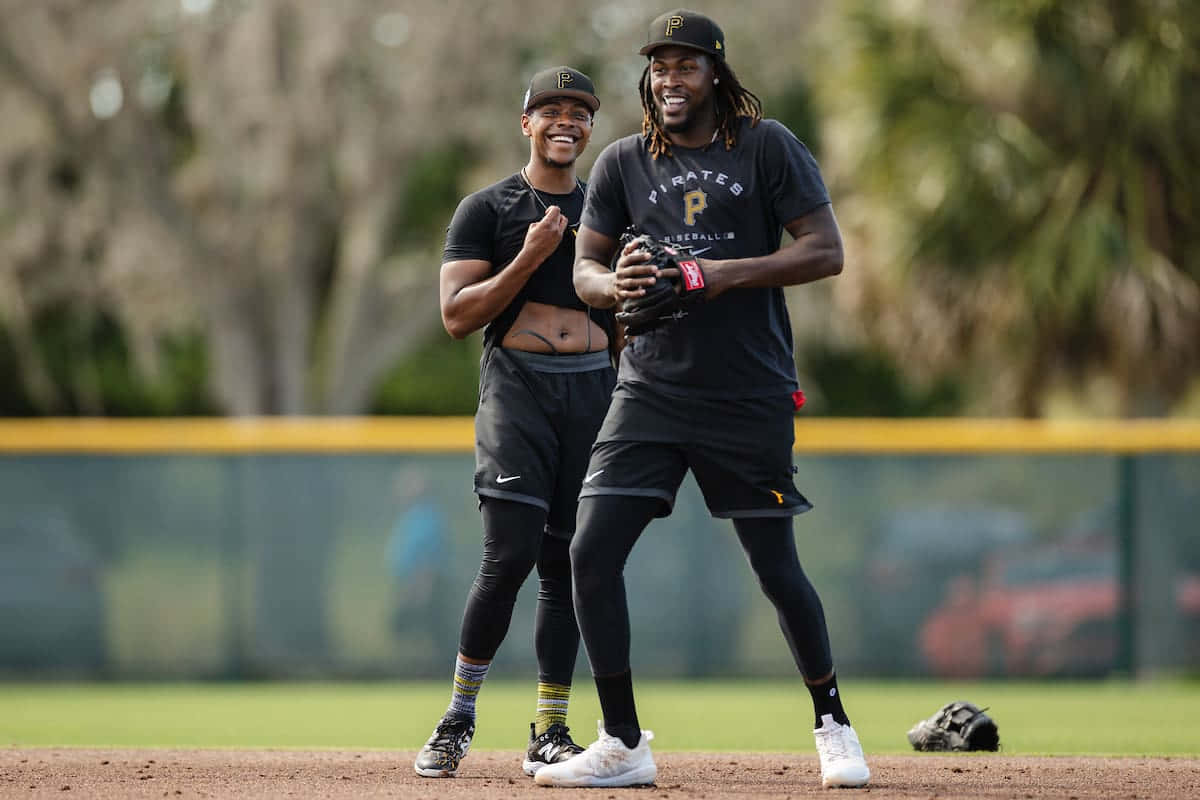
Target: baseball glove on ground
[956, 726]
[667, 300]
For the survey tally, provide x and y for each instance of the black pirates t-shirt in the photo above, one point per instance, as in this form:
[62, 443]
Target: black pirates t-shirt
[723, 204]
[490, 225]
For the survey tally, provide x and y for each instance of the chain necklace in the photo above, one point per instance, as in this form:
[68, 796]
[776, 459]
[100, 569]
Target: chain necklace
[538, 197]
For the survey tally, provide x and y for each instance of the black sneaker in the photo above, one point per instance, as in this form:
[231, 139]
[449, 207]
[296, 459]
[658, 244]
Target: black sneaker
[551, 747]
[448, 745]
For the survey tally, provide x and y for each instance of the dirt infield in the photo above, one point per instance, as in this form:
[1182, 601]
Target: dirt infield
[217, 774]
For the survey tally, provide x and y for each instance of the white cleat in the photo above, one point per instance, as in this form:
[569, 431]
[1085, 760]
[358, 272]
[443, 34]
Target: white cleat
[608, 762]
[842, 760]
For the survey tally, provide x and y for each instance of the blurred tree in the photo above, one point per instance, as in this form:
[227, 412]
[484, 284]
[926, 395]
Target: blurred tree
[271, 180]
[258, 190]
[439, 377]
[1028, 168]
[869, 383]
[253, 173]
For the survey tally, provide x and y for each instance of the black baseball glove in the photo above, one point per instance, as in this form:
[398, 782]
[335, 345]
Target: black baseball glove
[666, 300]
[956, 726]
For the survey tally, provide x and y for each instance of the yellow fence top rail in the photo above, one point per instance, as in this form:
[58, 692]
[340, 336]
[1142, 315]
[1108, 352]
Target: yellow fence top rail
[248, 435]
[996, 435]
[238, 435]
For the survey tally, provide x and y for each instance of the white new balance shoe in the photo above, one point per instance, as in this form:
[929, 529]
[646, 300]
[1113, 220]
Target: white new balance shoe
[608, 762]
[842, 760]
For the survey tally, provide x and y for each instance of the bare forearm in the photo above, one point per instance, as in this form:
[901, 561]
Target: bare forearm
[801, 262]
[595, 283]
[815, 253]
[473, 306]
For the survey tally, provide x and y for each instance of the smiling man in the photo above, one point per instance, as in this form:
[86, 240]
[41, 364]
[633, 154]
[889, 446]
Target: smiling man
[714, 389]
[544, 385]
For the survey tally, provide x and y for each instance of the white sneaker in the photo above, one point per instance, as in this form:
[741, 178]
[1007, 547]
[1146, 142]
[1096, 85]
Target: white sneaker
[608, 762]
[842, 760]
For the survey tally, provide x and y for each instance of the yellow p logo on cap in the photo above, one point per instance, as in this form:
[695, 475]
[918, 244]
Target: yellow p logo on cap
[673, 23]
[563, 79]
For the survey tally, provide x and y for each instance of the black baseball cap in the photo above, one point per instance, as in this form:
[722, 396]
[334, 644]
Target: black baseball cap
[687, 29]
[560, 82]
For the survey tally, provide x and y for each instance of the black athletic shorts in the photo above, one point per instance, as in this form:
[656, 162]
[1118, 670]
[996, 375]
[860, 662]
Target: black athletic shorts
[739, 450]
[537, 418]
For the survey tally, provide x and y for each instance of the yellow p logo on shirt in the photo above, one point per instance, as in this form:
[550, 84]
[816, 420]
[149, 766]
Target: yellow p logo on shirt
[694, 202]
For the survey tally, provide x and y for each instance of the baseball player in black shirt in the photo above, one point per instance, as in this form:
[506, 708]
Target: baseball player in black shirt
[714, 391]
[546, 377]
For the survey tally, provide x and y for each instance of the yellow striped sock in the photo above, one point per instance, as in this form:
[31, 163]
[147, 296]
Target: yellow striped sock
[468, 678]
[552, 699]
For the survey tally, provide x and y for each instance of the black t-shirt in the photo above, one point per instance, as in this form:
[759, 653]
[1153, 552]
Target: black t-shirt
[724, 204]
[490, 225]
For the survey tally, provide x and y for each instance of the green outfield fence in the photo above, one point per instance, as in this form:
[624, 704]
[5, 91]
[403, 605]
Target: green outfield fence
[326, 547]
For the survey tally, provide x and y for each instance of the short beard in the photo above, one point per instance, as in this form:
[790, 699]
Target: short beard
[552, 164]
[688, 122]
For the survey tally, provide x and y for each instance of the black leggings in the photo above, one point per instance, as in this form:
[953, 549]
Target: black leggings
[514, 540]
[609, 526]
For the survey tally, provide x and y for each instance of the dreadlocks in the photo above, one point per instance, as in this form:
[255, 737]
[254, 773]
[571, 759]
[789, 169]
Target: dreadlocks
[732, 100]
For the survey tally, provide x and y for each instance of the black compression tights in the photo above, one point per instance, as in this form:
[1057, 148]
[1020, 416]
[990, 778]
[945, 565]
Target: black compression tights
[770, 548]
[608, 528]
[513, 542]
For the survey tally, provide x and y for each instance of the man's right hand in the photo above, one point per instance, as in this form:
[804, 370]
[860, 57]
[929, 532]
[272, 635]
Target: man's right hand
[632, 275]
[544, 236]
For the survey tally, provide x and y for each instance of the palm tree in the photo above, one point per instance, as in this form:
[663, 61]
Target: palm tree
[1023, 178]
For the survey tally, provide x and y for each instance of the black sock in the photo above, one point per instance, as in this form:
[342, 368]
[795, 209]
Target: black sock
[828, 700]
[620, 714]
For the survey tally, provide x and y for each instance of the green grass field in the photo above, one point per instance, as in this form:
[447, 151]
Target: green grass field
[1051, 718]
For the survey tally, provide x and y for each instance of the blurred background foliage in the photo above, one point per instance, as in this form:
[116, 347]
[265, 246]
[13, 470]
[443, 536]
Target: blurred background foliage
[237, 206]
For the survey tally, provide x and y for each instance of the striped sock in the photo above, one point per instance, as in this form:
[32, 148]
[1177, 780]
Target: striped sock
[552, 701]
[468, 678]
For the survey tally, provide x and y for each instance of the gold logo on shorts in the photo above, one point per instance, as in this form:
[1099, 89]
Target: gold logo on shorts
[778, 496]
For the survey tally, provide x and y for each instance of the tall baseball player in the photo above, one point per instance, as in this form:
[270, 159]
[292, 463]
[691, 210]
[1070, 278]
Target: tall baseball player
[544, 385]
[712, 388]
